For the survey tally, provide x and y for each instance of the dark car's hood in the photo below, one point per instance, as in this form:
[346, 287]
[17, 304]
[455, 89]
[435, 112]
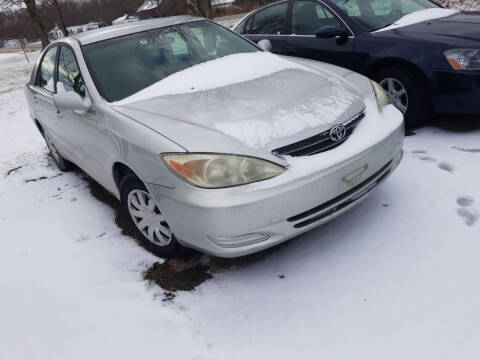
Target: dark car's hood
[459, 30]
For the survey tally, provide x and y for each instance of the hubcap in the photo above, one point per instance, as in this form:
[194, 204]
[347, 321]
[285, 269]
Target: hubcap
[148, 218]
[396, 93]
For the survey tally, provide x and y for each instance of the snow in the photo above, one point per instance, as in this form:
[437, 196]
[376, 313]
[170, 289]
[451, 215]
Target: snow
[214, 74]
[374, 126]
[324, 106]
[420, 16]
[394, 278]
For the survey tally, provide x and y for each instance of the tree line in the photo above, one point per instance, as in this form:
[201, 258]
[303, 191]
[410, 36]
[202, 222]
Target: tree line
[33, 19]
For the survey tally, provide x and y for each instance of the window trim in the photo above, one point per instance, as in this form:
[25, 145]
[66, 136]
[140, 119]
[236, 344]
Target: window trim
[37, 75]
[326, 5]
[60, 45]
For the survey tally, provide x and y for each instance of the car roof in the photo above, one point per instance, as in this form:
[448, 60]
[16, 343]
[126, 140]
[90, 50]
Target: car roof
[114, 31]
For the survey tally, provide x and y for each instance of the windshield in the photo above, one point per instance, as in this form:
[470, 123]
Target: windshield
[123, 66]
[372, 15]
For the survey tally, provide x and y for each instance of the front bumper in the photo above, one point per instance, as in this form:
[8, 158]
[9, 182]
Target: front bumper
[242, 220]
[455, 92]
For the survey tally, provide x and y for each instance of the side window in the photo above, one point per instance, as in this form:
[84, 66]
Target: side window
[46, 73]
[271, 20]
[309, 16]
[69, 77]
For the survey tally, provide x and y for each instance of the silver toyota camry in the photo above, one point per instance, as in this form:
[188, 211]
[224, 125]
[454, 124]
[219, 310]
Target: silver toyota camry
[208, 141]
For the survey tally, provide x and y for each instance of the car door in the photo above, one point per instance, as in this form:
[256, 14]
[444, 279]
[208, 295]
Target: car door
[269, 23]
[41, 93]
[86, 139]
[307, 16]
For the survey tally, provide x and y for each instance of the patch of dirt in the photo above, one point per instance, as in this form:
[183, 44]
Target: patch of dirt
[185, 273]
[42, 178]
[171, 277]
[11, 171]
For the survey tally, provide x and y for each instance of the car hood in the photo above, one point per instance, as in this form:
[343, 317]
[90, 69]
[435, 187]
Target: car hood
[461, 29]
[227, 106]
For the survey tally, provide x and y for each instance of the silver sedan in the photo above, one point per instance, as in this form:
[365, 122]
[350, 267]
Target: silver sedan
[208, 141]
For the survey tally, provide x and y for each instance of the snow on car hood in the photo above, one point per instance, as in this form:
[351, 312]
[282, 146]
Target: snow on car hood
[258, 99]
[420, 16]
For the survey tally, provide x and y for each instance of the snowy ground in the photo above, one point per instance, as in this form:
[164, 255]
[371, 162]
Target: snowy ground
[395, 278]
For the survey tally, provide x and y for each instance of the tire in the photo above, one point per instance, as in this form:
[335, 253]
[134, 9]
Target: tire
[135, 200]
[418, 109]
[62, 163]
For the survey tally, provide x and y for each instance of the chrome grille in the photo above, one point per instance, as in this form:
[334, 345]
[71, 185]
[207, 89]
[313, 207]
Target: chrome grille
[319, 143]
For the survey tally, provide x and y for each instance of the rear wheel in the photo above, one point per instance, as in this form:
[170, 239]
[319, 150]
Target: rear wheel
[62, 163]
[146, 219]
[407, 92]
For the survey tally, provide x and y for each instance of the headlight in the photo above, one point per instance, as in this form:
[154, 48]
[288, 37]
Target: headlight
[381, 95]
[218, 171]
[464, 59]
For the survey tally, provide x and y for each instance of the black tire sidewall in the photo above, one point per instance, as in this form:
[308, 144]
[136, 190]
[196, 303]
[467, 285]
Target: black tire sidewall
[419, 108]
[128, 184]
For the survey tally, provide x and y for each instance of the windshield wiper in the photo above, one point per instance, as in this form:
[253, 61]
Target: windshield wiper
[381, 27]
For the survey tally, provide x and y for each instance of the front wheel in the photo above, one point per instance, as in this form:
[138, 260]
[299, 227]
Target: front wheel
[146, 220]
[62, 163]
[407, 92]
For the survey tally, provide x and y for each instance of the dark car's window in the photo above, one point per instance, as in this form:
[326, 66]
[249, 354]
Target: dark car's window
[271, 20]
[309, 16]
[372, 15]
[69, 76]
[123, 66]
[46, 73]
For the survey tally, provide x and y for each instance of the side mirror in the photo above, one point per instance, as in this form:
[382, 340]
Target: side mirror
[71, 101]
[328, 32]
[265, 45]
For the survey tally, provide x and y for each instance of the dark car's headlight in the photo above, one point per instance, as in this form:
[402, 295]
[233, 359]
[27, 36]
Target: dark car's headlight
[218, 171]
[464, 59]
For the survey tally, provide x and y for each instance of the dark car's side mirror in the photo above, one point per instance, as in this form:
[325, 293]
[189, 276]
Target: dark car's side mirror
[328, 32]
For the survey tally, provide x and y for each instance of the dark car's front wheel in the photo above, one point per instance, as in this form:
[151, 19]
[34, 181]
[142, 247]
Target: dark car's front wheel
[146, 220]
[407, 92]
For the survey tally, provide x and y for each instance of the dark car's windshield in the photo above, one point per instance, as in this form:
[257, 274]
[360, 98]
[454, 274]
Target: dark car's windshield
[123, 66]
[372, 15]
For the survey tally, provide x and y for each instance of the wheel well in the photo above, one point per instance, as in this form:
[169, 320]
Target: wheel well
[120, 171]
[395, 62]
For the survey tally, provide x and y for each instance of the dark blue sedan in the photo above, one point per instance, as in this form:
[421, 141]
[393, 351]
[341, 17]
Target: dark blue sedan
[426, 57]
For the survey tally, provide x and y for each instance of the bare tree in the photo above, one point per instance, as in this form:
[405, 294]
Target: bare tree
[202, 7]
[60, 19]
[32, 9]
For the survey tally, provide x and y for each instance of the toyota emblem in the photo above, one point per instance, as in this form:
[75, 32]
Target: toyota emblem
[337, 133]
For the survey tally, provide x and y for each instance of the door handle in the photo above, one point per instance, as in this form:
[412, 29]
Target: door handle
[35, 100]
[59, 114]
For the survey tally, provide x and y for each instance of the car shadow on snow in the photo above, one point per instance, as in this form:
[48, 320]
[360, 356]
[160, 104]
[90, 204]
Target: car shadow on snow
[456, 123]
[182, 274]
